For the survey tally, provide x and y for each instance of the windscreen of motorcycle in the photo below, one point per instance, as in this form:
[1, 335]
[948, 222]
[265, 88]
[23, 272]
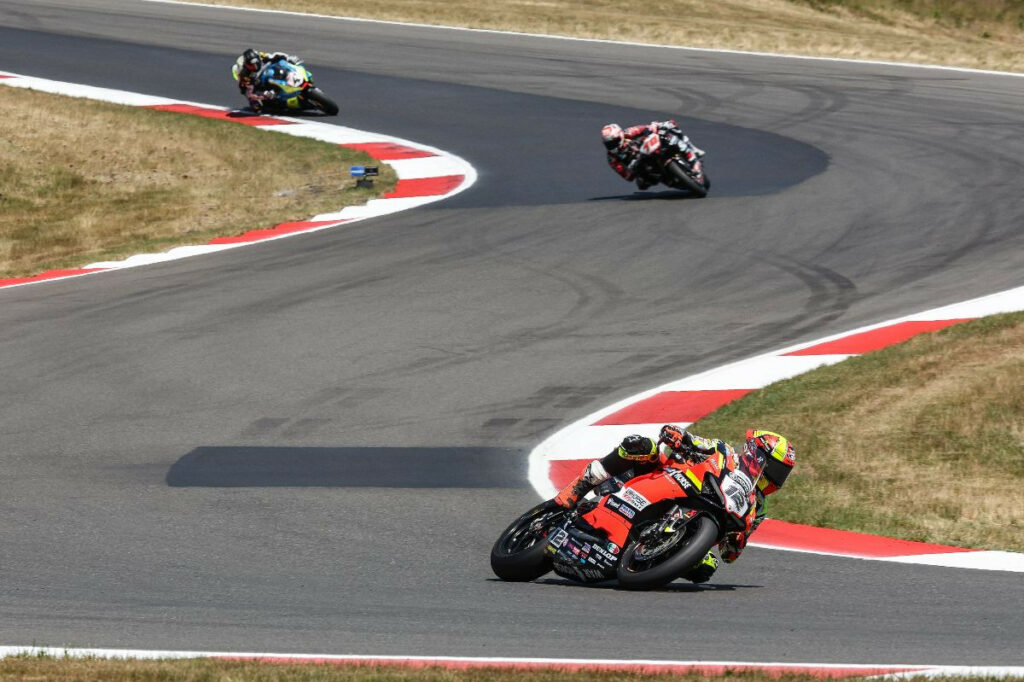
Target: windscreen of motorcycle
[736, 487]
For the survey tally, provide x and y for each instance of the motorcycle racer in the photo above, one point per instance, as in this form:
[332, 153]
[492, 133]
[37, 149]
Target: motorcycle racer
[624, 147]
[248, 66]
[637, 455]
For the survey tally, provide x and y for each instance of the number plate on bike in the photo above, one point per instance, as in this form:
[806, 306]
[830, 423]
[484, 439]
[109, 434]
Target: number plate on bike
[558, 539]
[737, 487]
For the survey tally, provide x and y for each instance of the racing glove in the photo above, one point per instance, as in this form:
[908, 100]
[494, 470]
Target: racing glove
[675, 437]
[731, 546]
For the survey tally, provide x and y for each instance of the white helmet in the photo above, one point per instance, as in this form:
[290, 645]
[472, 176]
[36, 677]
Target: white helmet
[613, 136]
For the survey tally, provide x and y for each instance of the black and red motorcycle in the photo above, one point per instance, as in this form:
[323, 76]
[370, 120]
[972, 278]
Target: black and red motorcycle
[668, 157]
[644, 533]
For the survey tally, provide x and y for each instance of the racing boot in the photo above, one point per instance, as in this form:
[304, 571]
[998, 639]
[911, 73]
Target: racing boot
[702, 571]
[581, 485]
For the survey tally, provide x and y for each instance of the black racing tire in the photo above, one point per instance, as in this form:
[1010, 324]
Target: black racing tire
[321, 101]
[518, 554]
[683, 180]
[698, 537]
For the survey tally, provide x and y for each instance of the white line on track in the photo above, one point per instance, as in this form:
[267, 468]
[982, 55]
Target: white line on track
[710, 50]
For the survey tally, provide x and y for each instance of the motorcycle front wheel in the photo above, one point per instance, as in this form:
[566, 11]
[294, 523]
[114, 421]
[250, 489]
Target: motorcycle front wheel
[518, 554]
[655, 558]
[684, 180]
[321, 101]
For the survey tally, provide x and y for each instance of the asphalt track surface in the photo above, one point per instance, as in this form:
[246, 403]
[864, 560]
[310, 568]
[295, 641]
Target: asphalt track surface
[309, 445]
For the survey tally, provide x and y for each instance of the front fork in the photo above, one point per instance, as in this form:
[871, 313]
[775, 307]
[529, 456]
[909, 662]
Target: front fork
[676, 518]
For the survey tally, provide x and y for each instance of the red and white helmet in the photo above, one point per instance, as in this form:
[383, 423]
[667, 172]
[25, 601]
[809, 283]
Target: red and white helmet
[612, 136]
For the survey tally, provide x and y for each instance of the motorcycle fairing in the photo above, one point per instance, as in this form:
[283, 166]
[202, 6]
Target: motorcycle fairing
[616, 513]
[289, 81]
[578, 556]
[612, 514]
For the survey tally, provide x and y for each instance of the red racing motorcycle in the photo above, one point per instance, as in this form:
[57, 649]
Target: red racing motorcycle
[644, 533]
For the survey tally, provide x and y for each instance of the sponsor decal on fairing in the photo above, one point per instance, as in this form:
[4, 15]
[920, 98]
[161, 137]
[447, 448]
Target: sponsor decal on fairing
[633, 498]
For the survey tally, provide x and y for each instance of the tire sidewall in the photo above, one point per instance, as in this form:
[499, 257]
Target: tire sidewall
[528, 564]
[319, 101]
[683, 178]
[693, 550]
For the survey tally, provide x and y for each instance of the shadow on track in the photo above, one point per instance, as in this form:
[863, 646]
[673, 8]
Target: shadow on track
[682, 587]
[349, 467]
[663, 195]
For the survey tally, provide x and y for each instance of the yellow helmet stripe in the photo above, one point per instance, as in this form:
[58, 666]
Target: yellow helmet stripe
[781, 445]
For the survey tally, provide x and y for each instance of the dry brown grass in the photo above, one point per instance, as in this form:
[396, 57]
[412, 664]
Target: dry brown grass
[986, 34]
[84, 181]
[921, 441]
[208, 670]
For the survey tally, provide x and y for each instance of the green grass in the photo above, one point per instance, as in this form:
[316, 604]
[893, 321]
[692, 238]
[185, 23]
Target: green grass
[922, 440]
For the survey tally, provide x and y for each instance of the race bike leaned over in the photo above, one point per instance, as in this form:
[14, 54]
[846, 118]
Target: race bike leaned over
[644, 533]
[668, 158]
[291, 89]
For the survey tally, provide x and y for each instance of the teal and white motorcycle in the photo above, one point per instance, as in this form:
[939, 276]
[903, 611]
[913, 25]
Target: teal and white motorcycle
[283, 87]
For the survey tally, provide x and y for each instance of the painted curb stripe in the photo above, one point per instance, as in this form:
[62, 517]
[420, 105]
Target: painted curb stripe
[785, 535]
[877, 339]
[425, 174]
[672, 407]
[561, 456]
[275, 231]
[388, 151]
[48, 275]
[648, 668]
[562, 471]
[425, 187]
[821, 670]
[221, 114]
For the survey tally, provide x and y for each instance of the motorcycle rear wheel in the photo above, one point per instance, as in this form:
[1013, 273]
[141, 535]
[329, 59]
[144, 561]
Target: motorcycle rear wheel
[519, 553]
[684, 180]
[321, 101]
[648, 563]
